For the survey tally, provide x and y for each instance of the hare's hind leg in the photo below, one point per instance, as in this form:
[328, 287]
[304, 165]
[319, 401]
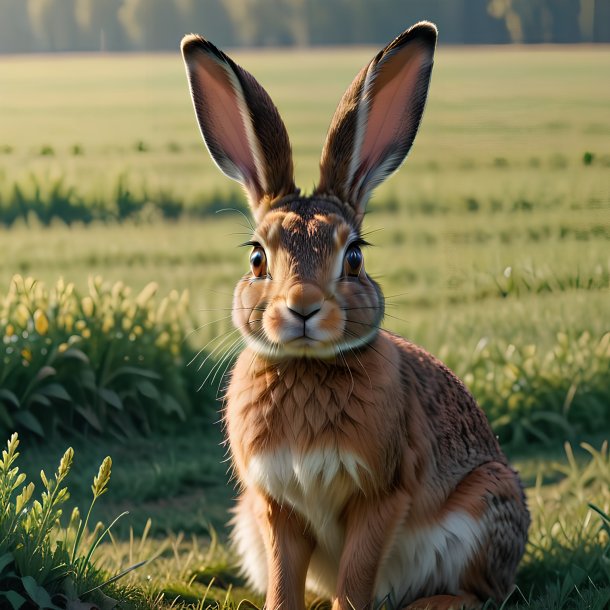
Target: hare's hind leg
[494, 491]
[446, 602]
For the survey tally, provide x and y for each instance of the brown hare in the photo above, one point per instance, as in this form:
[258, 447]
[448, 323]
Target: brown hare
[368, 473]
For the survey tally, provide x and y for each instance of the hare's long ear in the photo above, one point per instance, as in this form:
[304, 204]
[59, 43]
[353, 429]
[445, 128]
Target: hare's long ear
[378, 117]
[240, 125]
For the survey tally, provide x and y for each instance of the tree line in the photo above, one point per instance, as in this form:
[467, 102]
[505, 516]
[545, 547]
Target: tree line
[150, 25]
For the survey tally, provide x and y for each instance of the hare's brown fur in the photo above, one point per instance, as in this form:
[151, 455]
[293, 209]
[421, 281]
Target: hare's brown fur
[367, 470]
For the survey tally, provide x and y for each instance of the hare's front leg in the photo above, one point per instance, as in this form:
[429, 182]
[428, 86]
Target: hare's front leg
[370, 527]
[288, 548]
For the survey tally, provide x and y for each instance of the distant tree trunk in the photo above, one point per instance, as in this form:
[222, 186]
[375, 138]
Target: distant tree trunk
[15, 31]
[601, 21]
[209, 18]
[99, 25]
[54, 24]
[480, 27]
[564, 25]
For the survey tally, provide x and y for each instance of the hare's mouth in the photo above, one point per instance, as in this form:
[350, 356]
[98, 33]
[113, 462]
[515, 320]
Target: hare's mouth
[306, 347]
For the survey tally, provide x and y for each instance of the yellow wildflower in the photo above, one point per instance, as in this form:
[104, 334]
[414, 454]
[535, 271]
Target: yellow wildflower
[41, 322]
[26, 354]
[162, 339]
[162, 309]
[68, 322]
[184, 301]
[9, 330]
[87, 305]
[116, 290]
[22, 315]
[147, 293]
[107, 324]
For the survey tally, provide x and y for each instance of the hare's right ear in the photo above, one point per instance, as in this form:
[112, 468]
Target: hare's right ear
[378, 117]
[240, 125]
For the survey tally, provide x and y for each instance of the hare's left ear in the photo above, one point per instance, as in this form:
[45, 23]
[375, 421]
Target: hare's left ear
[240, 125]
[376, 121]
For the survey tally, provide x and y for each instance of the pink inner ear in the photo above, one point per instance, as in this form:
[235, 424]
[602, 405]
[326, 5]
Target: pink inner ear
[222, 115]
[389, 118]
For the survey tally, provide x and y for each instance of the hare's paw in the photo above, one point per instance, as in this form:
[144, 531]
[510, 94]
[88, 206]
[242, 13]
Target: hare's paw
[446, 602]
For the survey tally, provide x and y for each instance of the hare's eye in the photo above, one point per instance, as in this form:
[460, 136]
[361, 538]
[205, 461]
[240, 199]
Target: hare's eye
[258, 262]
[353, 260]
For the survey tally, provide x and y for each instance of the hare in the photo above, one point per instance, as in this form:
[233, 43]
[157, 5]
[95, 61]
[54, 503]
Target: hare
[368, 473]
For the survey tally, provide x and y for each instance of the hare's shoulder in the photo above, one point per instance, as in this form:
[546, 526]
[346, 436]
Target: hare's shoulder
[457, 424]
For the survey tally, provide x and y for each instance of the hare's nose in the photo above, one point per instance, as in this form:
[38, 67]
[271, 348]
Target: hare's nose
[304, 300]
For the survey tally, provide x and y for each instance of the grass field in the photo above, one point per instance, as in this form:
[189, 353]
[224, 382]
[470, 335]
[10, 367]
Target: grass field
[491, 243]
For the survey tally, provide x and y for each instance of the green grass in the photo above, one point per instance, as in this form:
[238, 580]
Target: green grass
[566, 562]
[501, 125]
[491, 243]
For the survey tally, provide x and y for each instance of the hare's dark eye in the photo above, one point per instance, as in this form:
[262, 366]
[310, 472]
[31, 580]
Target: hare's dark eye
[258, 262]
[353, 260]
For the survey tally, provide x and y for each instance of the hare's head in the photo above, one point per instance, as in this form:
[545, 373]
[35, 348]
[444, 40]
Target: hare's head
[307, 292]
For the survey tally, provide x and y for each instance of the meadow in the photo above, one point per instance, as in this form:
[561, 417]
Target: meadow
[491, 244]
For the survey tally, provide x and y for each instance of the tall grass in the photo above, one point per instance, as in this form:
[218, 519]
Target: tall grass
[42, 563]
[105, 361]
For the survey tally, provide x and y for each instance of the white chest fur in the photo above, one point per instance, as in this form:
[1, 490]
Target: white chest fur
[316, 483]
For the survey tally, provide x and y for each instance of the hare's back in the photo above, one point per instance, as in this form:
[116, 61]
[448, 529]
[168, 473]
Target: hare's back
[443, 412]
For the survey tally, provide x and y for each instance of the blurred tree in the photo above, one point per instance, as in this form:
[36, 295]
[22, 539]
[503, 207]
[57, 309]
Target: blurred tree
[328, 22]
[479, 26]
[99, 25]
[53, 25]
[601, 21]
[557, 21]
[268, 22]
[117, 25]
[564, 22]
[151, 24]
[15, 31]
[209, 17]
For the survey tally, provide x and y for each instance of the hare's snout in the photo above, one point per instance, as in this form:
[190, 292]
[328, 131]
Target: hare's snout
[303, 320]
[304, 300]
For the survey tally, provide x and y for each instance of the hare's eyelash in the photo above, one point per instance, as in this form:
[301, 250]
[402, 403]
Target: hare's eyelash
[359, 241]
[252, 243]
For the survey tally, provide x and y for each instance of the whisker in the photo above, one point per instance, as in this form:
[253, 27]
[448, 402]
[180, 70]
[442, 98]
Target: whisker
[218, 347]
[227, 333]
[202, 326]
[351, 391]
[220, 361]
[236, 210]
[224, 338]
[227, 359]
[370, 346]
[362, 367]
[231, 309]
[389, 315]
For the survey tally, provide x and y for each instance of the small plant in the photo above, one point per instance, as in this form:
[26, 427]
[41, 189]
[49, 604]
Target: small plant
[42, 564]
[541, 396]
[568, 553]
[105, 361]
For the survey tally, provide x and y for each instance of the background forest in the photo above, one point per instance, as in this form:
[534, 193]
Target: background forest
[152, 25]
